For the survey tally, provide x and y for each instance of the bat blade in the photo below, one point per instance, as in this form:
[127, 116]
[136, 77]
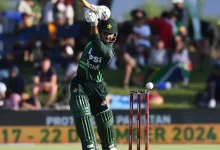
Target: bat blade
[86, 4]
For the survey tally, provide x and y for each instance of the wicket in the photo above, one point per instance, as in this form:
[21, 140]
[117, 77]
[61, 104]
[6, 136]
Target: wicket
[131, 112]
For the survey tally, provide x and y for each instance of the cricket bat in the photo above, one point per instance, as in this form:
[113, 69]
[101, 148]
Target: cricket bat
[86, 4]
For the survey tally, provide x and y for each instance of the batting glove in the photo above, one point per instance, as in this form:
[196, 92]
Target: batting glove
[103, 12]
[91, 17]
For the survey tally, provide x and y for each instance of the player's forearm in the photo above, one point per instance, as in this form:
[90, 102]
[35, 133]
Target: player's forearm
[94, 30]
[95, 36]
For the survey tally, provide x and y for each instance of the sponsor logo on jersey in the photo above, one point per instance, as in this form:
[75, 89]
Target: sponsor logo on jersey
[95, 59]
[94, 67]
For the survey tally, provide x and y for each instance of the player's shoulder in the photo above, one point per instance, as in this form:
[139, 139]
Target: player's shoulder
[111, 50]
[110, 45]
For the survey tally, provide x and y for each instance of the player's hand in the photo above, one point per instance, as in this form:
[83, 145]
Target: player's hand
[103, 12]
[91, 17]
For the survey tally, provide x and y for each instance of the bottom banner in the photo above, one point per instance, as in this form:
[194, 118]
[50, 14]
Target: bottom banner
[161, 134]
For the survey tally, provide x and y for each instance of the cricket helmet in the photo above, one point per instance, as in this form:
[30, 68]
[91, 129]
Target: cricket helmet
[109, 26]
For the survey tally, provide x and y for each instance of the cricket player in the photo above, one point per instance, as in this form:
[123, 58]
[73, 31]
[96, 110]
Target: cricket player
[88, 93]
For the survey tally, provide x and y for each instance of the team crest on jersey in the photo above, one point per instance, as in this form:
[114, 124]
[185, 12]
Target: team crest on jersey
[104, 103]
[75, 90]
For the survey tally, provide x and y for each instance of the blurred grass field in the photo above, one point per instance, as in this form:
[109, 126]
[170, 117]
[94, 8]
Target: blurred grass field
[120, 147]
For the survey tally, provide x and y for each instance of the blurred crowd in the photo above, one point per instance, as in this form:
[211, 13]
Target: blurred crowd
[153, 41]
[149, 49]
[47, 58]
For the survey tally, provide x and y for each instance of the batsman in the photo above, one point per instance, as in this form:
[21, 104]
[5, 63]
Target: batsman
[87, 89]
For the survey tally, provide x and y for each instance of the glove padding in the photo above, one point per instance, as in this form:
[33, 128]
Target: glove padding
[103, 12]
[91, 17]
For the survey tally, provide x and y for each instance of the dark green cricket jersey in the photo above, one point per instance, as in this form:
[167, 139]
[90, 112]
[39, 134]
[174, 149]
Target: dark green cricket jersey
[95, 58]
